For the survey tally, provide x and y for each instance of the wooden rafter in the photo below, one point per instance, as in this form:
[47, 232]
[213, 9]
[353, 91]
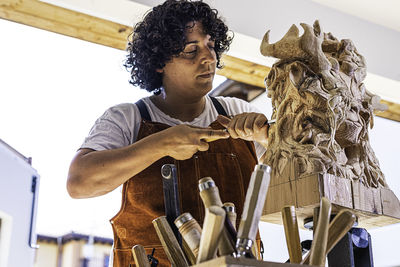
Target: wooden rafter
[64, 21]
[89, 28]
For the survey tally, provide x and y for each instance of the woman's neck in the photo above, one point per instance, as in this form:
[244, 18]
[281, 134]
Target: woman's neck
[180, 109]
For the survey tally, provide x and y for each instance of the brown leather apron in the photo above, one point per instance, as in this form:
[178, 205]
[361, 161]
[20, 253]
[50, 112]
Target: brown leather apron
[229, 162]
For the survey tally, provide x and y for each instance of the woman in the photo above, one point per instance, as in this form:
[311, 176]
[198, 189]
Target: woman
[173, 53]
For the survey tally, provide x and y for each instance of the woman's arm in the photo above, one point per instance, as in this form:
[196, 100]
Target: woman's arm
[94, 173]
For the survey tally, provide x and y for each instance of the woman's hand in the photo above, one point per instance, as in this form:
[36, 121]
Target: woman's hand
[182, 141]
[247, 126]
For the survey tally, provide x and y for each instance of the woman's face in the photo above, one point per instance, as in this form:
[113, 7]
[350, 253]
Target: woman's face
[190, 74]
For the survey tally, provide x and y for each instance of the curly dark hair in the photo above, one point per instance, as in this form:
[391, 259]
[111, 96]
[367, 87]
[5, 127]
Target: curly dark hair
[161, 35]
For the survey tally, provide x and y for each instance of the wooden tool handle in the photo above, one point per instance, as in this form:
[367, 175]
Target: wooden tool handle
[169, 242]
[140, 257]
[253, 205]
[318, 247]
[289, 219]
[211, 233]
[340, 225]
[209, 192]
[229, 207]
[190, 231]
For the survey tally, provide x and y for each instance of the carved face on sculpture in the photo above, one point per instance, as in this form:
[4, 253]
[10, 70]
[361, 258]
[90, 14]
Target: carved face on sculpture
[321, 105]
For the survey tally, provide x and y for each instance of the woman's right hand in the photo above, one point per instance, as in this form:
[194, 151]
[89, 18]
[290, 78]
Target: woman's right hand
[182, 141]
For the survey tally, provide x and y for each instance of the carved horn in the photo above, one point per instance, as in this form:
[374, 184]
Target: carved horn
[287, 47]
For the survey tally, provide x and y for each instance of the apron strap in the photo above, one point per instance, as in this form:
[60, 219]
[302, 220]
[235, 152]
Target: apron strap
[144, 113]
[220, 109]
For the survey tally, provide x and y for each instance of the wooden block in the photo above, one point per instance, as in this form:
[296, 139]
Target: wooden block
[308, 191]
[373, 207]
[337, 190]
[279, 196]
[390, 203]
[366, 199]
[229, 261]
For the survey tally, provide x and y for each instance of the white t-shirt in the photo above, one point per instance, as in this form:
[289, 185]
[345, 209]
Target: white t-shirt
[119, 125]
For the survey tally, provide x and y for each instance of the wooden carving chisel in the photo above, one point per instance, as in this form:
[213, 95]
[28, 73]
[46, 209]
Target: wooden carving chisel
[171, 197]
[140, 257]
[289, 219]
[209, 194]
[253, 205]
[170, 244]
[319, 243]
[340, 225]
[212, 229]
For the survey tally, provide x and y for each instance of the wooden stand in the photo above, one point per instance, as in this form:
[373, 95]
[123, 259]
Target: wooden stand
[374, 207]
[229, 261]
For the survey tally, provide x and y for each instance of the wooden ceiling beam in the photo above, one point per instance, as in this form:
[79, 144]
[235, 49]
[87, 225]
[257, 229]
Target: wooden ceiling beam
[100, 31]
[64, 21]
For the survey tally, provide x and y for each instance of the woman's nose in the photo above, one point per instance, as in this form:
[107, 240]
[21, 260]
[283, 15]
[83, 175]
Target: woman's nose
[208, 56]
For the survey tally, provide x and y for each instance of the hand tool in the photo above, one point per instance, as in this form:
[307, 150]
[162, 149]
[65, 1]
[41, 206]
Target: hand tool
[269, 123]
[191, 233]
[169, 242]
[253, 205]
[319, 244]
[209, 193]
[229, 207]
[171, 196]
[140, 257]
[212, 229]
[339, 226]
[289, 219]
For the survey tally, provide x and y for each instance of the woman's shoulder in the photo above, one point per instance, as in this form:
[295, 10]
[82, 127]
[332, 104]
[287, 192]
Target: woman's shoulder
[234, 105]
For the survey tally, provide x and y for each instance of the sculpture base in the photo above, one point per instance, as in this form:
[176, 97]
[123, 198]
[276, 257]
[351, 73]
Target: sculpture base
[374, 207]
[229, 261]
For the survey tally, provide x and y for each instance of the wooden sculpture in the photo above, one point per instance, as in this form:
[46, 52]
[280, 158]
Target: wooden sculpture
[319, 145]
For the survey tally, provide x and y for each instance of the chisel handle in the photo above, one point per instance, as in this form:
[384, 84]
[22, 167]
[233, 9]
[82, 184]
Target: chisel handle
[229, 207]
[211, 233]
[253, 205]
[169, 242]
[319, 244]
[140, 257]
[339, 226]
[289, 219]
[209, 192]
[191, 233]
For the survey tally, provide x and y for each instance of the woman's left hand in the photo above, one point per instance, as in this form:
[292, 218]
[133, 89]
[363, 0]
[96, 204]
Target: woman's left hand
[247, 126]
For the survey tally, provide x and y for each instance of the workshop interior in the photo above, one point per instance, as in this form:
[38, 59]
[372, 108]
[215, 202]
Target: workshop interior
[325, 192]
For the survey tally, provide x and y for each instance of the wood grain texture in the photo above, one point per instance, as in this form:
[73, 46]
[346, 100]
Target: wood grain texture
[290, 225]
[140, 257]
[212, 229]
[229, 261]
[210, 197]
[170, 244]
[67, 22]
[319, 244]
[305, 194]
[339, 226]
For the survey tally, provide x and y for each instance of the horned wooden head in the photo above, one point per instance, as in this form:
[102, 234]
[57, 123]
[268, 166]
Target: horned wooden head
[321, 105]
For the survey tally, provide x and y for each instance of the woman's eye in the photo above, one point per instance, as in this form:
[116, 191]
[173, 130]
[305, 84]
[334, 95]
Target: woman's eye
[190, 52]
